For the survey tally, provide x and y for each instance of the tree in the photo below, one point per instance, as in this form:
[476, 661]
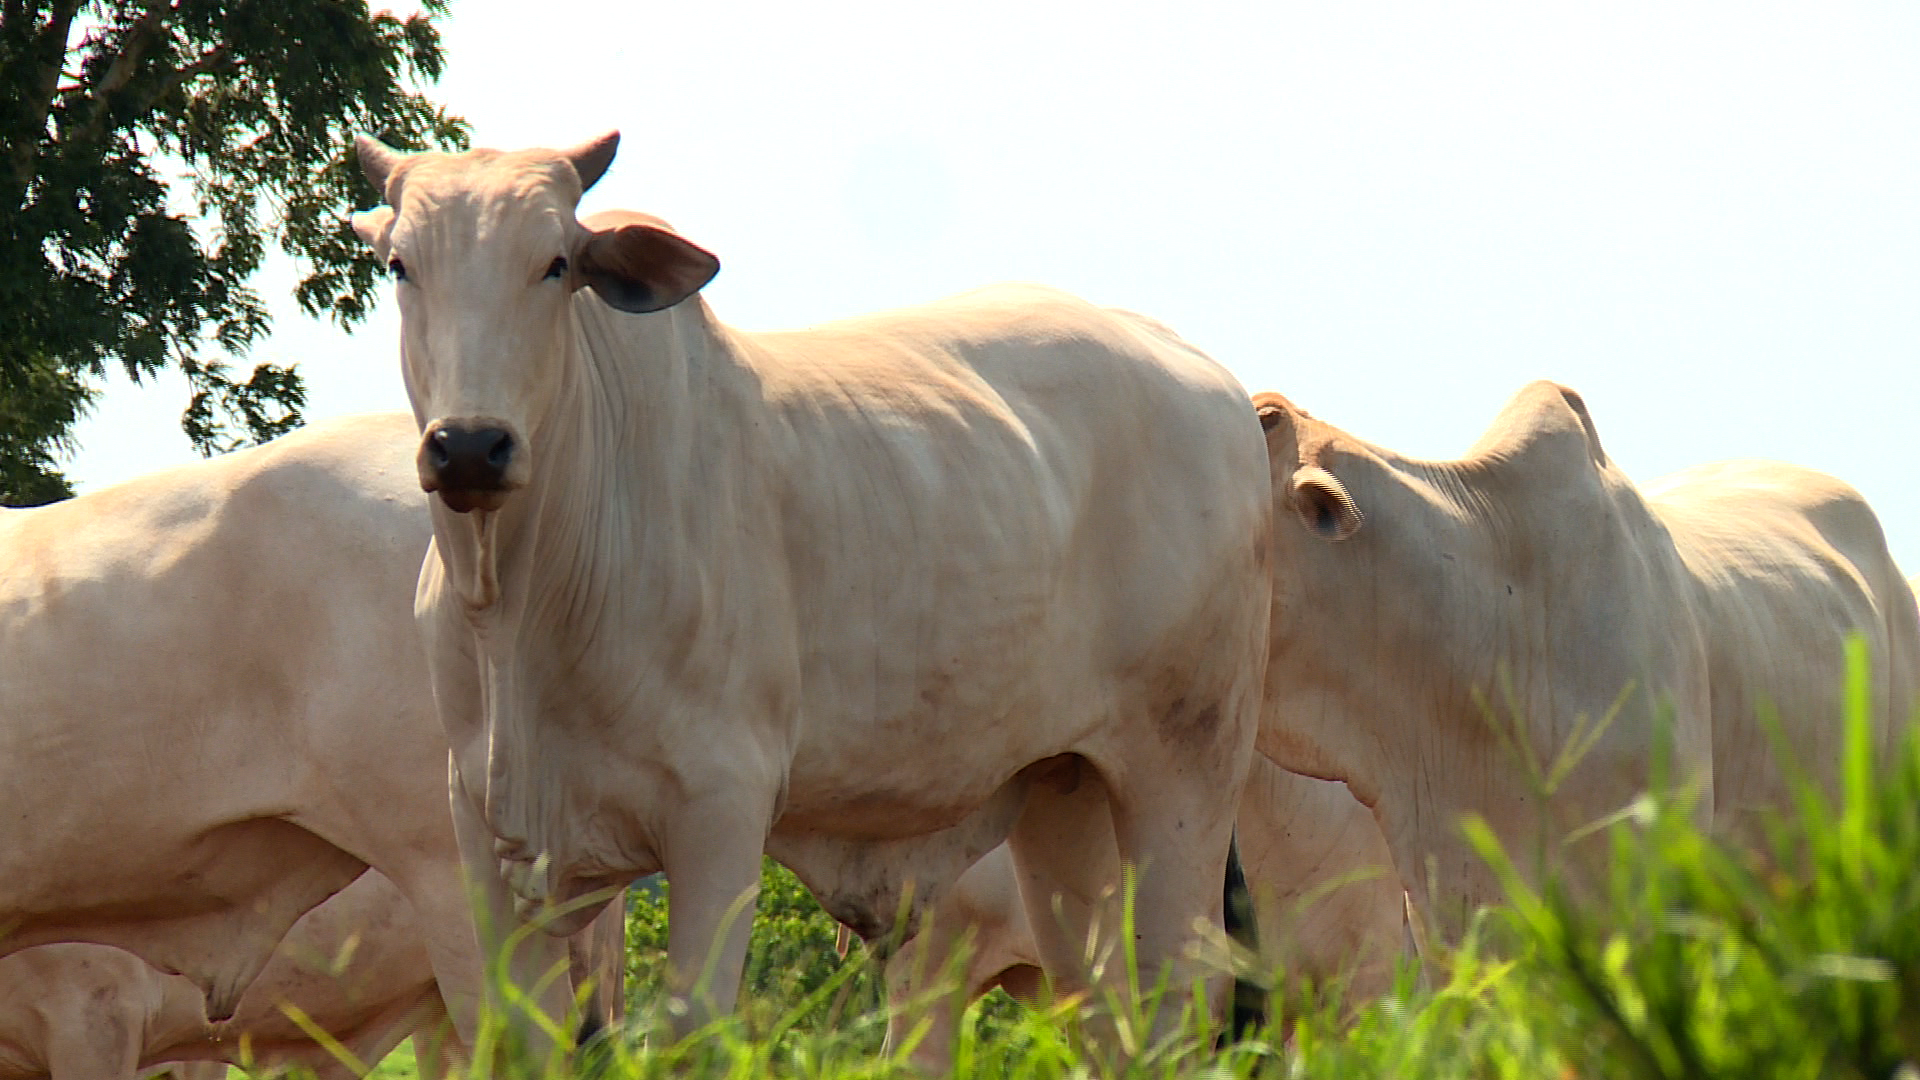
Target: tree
[125, 122]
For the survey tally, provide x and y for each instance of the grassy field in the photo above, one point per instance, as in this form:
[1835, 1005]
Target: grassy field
[1694, 961]
[398, 1066]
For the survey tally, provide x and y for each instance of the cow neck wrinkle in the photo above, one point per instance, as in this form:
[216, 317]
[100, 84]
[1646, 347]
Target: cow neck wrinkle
[622, 481]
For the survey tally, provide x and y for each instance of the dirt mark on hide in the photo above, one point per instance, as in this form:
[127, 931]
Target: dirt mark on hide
[1190, 726]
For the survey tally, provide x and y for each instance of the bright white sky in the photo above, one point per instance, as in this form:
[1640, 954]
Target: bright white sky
[1703, 216]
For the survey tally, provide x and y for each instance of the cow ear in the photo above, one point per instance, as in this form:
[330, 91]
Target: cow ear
[375, 229]
[640, 267]
[1323, 504]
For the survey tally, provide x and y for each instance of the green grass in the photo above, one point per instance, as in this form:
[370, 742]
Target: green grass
[1692, 961]
[398, 1065]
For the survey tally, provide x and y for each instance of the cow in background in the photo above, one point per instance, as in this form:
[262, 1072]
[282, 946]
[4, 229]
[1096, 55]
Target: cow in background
[215, 713]
[354, 965]
[1454, 636]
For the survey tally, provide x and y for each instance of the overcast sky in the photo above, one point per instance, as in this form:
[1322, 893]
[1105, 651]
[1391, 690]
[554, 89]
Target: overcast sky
[1703, 216]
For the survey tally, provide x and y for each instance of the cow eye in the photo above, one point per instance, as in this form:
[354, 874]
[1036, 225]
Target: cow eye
[398, 269]
[557, 268]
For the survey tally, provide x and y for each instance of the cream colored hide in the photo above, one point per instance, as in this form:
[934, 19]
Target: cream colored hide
[355, 965]
[1445, 632]
[1327, 900]
[214, 713]
[1782, 563]
[847, 594]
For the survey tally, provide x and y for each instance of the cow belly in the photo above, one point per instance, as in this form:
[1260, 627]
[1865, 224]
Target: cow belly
[354, 965]
[225, 914]
[887, 785]
[867, 884]
[995, 691]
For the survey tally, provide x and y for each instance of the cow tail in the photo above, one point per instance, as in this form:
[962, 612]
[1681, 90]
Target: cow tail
[593, 1045]
[590, 1026]
[1249, 1012]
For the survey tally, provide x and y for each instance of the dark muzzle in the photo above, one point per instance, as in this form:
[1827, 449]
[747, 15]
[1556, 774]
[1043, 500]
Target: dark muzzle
[467, 466]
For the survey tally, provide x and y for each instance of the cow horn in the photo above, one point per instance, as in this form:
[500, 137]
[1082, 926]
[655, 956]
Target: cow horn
[1322, 502]
[590, 159]
[377, 160]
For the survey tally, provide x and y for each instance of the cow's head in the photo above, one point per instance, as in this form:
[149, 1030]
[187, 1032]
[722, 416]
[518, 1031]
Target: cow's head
[1304, 489]
[1396, 580]
[486, 252]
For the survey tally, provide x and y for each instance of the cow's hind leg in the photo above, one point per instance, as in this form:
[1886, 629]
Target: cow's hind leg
[185, 1070]
[437, 1053]
[597, 957]
[1068, 869]
[1173, 783]
[100, 1041]
[973, 939]
[1177, 839]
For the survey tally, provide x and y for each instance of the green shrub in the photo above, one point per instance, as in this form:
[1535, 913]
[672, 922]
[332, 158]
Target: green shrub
[791, 959]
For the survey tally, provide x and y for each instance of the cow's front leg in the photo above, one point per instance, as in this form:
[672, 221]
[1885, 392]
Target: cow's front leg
[536, 962]
[711, 855]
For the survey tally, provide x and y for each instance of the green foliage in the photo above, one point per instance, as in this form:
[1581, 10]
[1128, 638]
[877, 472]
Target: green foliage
[791, 959]
[253, 105]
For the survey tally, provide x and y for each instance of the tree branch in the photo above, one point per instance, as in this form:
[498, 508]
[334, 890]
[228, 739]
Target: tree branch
[139, 39]
[50, 52]
[219, 59]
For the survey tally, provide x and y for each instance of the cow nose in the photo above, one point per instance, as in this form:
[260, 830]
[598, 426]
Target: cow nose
[468, 459]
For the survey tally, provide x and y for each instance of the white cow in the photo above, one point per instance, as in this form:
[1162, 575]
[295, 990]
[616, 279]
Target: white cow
[1445, 632]
[214, 713]
[868, 597]
[1328, 902]
[355, 966]
[1782, 563]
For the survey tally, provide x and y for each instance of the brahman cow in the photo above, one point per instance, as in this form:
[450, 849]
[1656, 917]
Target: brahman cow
[1471, 635]
[1330, 908]
[215, 712]
[355, 966]
[871, 597]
